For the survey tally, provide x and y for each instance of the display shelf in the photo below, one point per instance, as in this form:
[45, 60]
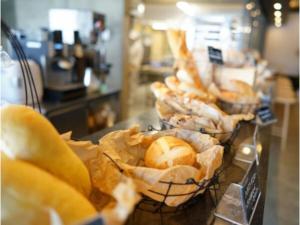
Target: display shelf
[201, 211]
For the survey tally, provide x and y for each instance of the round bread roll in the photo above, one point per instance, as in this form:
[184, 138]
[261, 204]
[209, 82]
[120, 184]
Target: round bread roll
[169, 151]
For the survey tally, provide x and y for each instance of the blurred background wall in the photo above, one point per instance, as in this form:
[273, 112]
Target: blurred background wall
[31, 15]
[282, 46]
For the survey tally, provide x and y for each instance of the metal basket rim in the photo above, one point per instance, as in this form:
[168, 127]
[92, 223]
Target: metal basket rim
[203, 131]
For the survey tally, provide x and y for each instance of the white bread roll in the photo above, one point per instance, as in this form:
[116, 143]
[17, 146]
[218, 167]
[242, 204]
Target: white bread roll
[169, 151]
[29, 194]
[29, 136]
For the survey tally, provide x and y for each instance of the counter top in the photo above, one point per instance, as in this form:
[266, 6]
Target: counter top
[202, 210]
[143, 120]
[48, 107]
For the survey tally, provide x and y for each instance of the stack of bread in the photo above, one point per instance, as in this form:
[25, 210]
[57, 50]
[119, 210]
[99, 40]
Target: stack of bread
[157, 158]
[187, 79]
[179, 110]
[44, 181]
[239, 95]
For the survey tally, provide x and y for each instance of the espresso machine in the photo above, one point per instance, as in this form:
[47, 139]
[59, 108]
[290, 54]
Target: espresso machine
[65, 52]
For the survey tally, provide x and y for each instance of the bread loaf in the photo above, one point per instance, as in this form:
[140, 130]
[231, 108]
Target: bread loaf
[28, 136]
[29, 194]
[169, 151]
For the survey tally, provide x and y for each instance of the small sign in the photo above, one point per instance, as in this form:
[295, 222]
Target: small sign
[265, 116]
[215, 55]
[250, 191]
[239, 202]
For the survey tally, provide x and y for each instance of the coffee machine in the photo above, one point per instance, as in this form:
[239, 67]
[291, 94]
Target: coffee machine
[65, 52]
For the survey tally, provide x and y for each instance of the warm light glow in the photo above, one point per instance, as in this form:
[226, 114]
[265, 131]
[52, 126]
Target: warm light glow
[259, 148]
[250, 5]
[277, 6]
[247, 30]
[141, 8]
[277, 19]
[182, 5]
[246, 150]
[293, 4]
[277, 13]
[278, 24]
[185, 7]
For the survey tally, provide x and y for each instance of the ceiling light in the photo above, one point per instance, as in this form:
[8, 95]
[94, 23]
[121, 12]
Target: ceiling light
[185, 7]
[277, 13]
[277, 19]
[141, 8]
[250, 5]
[277, 6]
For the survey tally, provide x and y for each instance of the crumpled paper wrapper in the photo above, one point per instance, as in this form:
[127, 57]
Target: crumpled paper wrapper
[114, 194]
[128, 147]
[222, 128]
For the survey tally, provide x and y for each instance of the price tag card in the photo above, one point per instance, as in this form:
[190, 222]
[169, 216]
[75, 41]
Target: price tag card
[239, 202]
[250, 191]
[215, 55]
[265, 116]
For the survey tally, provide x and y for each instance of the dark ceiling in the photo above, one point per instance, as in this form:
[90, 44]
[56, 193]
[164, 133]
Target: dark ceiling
[268, 9]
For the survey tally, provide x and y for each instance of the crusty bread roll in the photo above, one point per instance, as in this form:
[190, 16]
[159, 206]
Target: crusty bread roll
[29, 136]
[169, 151]
[31, 195]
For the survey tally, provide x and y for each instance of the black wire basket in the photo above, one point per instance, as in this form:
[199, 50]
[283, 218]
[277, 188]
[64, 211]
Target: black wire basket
[30, 90]
[150, 205]
[237, 108]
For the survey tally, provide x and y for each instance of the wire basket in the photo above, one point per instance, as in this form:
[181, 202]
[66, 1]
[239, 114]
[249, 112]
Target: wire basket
[237, 108]
[226, 138]
[149, 205]
[30, 90]
[197, 188]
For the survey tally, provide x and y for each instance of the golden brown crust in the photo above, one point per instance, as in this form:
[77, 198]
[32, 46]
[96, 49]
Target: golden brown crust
[169, 151]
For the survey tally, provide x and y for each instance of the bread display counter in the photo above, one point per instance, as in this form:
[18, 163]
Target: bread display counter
[186, 162]
[201, 209]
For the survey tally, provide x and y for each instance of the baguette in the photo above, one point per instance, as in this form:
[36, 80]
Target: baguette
[30, 196]
[28, 136]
